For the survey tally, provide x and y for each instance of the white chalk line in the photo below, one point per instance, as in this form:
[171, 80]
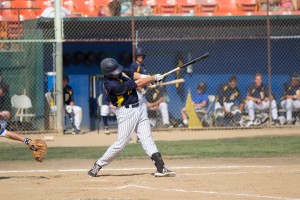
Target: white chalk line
[193, 191]
[233, 173]
[133, 169]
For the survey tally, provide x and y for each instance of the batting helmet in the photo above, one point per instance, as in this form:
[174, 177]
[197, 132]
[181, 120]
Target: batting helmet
[110, 66]
[202, 86]
[139, 52]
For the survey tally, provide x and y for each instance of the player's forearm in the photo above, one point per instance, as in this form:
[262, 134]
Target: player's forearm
[242, 107]
[203, 104]
[253, 99]
[14, 136]
[137, 76]
[290, 96]
[144, 81]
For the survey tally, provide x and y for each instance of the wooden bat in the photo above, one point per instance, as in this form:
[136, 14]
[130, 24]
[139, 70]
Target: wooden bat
[187, 64]
[172, 82]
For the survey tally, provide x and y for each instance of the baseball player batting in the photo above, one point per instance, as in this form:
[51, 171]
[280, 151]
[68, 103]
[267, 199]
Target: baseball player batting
[121, 90]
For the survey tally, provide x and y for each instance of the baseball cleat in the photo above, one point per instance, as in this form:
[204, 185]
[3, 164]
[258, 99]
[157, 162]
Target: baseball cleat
[165, 173]
[77, 131]
[106, 131]
[94, 170]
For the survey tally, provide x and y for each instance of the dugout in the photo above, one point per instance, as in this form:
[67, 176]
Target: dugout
[237, 45]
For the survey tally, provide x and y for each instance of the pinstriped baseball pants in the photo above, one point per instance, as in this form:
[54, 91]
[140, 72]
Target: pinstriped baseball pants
[130, 120]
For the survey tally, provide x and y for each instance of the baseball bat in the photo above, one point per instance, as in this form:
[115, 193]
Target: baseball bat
[172, 82]
[187, 64]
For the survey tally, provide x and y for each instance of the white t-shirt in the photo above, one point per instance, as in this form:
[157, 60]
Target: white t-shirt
[50, 12]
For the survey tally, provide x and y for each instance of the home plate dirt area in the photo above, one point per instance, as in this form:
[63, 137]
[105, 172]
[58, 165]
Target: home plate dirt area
[217, 178]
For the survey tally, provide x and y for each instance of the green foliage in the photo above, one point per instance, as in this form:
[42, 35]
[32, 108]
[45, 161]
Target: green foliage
[266, 146]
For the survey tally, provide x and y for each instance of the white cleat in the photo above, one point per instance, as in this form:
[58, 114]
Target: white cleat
[165, 173]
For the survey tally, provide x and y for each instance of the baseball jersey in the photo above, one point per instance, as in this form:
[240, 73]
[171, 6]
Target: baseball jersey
[228, 94]
[121, 91]
[105, 100]
[289, 89]
[260, 92]
[138, 68]
[154, 94]
[199, 98]
[68, 95]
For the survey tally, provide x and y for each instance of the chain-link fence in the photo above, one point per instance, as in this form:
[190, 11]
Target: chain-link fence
[244, 49]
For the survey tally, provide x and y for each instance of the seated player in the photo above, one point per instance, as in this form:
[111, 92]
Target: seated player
[73, 111]
[291, 100]
[229, 104]
[200, 100]
[258, 99]
[156, 101]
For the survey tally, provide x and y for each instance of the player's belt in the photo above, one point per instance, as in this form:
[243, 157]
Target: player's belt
[132, 105]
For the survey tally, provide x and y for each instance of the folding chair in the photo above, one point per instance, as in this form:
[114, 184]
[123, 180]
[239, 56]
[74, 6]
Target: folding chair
[22, 103]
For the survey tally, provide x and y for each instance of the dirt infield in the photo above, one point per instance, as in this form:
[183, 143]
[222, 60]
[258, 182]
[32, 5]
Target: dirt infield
[242, 179]
[95, 139]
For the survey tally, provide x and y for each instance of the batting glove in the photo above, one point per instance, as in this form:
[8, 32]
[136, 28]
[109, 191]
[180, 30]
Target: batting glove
[158, 77]
[143, 91]
[152, 85]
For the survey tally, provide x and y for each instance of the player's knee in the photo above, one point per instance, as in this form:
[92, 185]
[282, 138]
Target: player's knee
[289, 103]
[163, 105]
[250, 104]
[273, 104]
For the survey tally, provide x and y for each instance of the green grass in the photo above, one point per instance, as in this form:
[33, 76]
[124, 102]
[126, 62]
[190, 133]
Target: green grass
[266, 146]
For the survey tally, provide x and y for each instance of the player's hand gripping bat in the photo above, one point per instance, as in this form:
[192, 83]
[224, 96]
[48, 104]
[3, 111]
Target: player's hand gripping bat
[167, 83]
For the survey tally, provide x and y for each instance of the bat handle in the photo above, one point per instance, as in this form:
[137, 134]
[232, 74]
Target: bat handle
[170, 72]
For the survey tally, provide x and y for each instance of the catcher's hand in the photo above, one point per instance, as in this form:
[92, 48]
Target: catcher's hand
[39, 149]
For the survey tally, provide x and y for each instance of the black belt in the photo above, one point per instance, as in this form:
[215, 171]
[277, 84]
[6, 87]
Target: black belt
[132, 105]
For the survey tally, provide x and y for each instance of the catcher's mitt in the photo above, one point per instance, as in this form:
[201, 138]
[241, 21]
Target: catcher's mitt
[39, 149]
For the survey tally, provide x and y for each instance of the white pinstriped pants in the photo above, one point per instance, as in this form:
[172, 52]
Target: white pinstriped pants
[290, 105]
[251, 106]
[77, 115]
[130, 120]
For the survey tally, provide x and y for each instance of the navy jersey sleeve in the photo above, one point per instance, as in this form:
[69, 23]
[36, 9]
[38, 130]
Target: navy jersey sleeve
[119, 88]
[133, 67]
[71, 93]
[266, 90]
[249, 90]
[219, 96]
[129, 72]
[285, 89]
